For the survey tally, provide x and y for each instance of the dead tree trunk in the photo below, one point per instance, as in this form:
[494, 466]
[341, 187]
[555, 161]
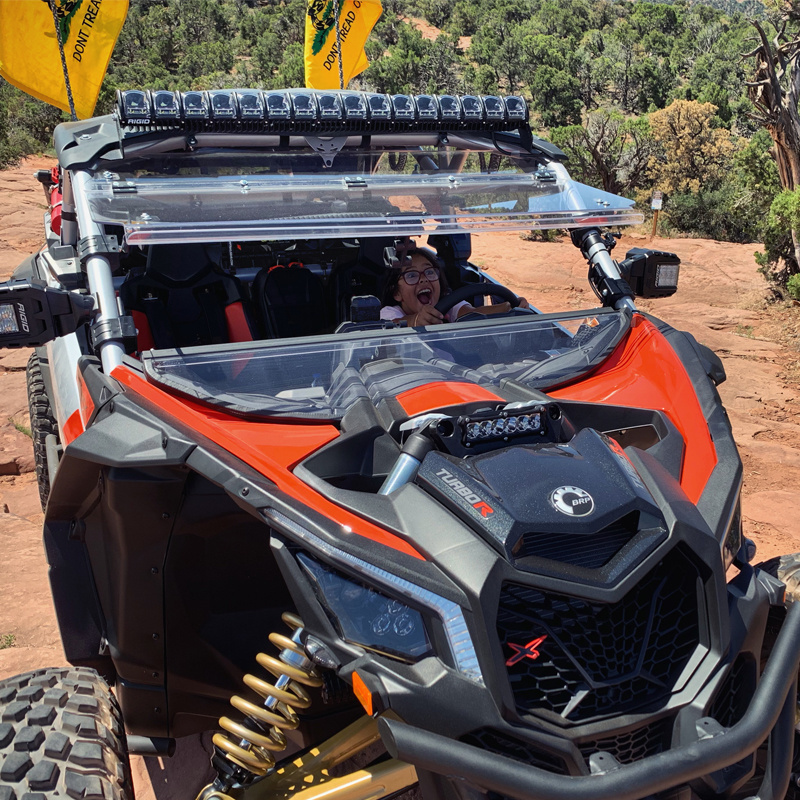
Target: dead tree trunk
[775, 91]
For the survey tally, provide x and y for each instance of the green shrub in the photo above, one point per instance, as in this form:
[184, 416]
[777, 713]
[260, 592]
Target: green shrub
[793, 287]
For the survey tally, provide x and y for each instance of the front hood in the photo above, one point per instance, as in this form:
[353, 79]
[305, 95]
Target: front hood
[578, 503]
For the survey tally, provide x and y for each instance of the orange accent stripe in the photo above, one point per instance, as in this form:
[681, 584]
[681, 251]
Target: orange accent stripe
[645, 372]
[86, 406]
[272, 448]
[441, 394]
[363, 695]
[72, 428]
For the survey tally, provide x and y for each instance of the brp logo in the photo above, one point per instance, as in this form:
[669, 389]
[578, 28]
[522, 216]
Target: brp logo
[572, 501]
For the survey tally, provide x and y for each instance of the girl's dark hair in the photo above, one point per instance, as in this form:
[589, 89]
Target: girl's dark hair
[393, 277]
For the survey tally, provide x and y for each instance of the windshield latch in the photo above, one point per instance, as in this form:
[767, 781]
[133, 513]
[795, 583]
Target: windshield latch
[355, 183]
[328, 148]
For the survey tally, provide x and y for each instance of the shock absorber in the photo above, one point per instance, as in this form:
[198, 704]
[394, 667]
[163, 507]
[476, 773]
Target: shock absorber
[244, 753]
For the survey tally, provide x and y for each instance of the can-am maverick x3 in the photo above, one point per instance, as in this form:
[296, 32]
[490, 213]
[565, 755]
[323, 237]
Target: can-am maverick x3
[500, 545]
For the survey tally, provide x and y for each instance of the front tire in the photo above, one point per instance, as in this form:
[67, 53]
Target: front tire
[43, 423]
[61, 735]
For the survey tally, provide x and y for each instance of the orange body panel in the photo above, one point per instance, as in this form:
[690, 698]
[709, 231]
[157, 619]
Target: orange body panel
[72, 429]
[271, 448]
[433, 396]
[362, 693]
[86, 402]
[645, 372]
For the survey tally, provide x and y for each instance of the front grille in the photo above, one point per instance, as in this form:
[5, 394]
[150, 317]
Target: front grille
[600, 658]
[634, 745]
[736, 692]
[580, 550]
[496, 742]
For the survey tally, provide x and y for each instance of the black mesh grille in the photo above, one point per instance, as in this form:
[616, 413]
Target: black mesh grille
[495, 742]
[632, 745]
[600, 658]
[735, 694]
[590, 551]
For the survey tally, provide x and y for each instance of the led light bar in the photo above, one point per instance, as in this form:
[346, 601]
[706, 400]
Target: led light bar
[308, 109]
[515, 419]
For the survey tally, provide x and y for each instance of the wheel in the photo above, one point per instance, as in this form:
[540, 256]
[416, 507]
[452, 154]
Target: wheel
[61, 734]
[43, 423]
[470, 290]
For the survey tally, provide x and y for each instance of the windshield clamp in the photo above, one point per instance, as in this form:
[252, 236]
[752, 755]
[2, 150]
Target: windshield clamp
[100, 245]
[120, 329]
[328, 148]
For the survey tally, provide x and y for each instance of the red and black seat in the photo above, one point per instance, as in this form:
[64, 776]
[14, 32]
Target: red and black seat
[183, 298]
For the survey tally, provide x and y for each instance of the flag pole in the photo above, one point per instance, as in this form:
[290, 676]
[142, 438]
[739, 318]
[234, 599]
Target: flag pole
[52, 5]
[338, 42]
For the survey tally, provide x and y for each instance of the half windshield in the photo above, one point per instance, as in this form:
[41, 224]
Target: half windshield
[322, 377]
[292, 195]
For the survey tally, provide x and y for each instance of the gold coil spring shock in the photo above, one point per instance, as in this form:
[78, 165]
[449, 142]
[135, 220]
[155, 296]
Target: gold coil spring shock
[254, 749]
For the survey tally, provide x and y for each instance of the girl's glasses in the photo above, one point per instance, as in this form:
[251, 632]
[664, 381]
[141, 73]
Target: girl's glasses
[413, 275]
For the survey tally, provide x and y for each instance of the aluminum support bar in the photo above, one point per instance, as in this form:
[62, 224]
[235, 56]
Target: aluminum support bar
[69, 227]
[98, 273]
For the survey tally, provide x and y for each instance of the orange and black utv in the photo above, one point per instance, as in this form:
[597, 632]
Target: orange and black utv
[508, 549]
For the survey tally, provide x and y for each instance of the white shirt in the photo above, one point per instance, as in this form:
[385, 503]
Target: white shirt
[395, 312]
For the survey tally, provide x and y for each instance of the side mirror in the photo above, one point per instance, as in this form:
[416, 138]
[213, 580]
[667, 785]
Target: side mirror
[650, 273]
[33, 313]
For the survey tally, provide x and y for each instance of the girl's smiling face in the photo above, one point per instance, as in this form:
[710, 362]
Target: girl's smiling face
[424, 293]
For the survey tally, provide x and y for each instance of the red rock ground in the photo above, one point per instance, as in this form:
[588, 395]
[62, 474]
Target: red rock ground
[720, 301]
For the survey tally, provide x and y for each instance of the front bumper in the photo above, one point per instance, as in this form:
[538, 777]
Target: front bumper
[771, 716]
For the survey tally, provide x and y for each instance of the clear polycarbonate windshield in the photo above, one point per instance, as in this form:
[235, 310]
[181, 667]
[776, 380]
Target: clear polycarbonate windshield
[291, 195]
[321, 377]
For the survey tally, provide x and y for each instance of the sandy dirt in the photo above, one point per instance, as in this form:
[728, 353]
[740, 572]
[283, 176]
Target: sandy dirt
[720, 301]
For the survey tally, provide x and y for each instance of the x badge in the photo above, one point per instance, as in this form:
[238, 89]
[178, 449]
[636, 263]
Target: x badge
[527, 651]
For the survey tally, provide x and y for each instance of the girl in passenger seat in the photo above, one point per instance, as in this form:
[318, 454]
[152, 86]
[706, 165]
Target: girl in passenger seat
[413, 290]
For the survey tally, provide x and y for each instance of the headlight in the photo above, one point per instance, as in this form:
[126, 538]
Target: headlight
[367, 617]
[450, 614]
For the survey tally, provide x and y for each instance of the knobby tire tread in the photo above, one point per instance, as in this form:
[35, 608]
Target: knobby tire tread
[43, 423]
[61, 735]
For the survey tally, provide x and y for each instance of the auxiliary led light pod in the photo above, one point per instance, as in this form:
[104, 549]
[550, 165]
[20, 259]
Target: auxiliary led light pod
[503, 426]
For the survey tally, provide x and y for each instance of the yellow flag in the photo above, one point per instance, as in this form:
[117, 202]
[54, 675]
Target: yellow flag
[356, 20]
[29, 56]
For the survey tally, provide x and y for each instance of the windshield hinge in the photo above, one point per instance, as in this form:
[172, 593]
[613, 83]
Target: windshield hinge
[327, 148]
[123, 187]
[355, 183]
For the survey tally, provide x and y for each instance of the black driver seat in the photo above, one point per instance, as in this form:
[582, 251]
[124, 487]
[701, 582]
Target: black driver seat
[184, 298]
